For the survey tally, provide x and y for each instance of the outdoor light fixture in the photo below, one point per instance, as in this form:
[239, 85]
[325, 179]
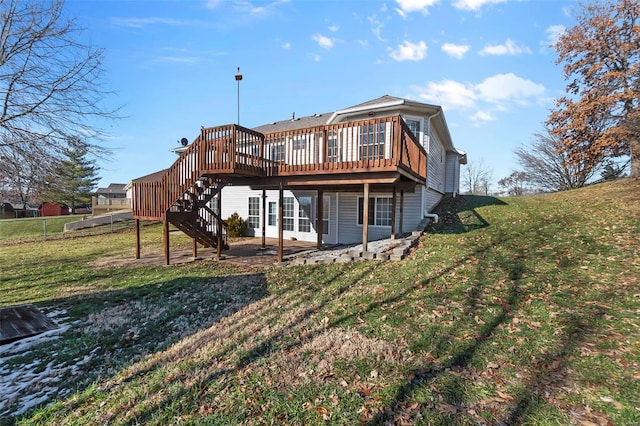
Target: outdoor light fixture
[238, 78]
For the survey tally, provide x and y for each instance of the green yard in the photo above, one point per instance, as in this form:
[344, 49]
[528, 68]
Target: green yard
[511, 311]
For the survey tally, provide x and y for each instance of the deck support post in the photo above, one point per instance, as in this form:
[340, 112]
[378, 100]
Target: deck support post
[137, 238]
[365, 219]
[264, 219]
[219, 226]
[319, 218]
[195, 241]
[165, 240]
[394, 201]
[401, 210]
[280, 229]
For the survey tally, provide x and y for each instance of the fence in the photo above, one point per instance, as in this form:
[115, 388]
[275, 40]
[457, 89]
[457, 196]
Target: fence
[53, 227]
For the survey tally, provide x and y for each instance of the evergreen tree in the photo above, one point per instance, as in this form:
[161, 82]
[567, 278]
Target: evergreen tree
[74, 178]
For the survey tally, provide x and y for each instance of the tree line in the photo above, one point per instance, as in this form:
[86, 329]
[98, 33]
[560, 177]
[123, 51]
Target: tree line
[593, 132]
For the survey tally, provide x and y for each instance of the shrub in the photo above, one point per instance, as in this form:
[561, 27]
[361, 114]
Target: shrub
[236, 226]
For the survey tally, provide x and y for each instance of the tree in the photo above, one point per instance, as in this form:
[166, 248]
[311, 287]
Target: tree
[515, 183]
[50, 82]
[547, 165]
[21, 176]
[476, 178]
[74, 178]
[601, 56]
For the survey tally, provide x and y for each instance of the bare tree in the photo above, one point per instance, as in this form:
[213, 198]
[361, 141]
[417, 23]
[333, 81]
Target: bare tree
[21, 175]
[547, 165]
[476, 178]
[515, 184]
[51, 85]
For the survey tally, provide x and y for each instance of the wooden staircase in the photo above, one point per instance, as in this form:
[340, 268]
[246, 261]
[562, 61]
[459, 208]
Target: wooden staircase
[192, 215]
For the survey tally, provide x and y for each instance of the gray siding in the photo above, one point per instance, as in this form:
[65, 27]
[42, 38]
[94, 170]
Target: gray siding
[452, 174]
[431, 199]
[435, 164]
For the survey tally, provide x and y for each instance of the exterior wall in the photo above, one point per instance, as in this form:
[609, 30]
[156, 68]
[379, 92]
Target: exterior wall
[452, 174]
[435, 164]
[431, 199]
[343, 214]
[51, 209]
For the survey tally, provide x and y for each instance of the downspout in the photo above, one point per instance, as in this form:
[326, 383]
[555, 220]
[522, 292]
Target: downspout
[434, 217]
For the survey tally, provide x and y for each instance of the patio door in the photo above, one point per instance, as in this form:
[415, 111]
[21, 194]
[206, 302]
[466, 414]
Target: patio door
[272, 219]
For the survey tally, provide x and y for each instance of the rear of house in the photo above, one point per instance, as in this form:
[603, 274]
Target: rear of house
[361, 173]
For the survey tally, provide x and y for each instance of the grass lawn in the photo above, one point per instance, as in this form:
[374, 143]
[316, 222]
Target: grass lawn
[512, 311]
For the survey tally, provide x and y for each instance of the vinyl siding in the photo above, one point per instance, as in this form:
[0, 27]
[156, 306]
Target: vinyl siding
[435, 164]
[452, 174]
[431, 199]
[350, 232]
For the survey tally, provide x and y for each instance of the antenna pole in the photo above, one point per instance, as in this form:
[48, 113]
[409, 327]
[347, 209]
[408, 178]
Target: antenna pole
[238, 78]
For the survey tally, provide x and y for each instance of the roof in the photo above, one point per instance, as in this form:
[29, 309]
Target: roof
[295, 123]
[151, 177]
[112, 188]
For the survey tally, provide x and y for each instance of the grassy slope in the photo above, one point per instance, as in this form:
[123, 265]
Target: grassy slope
[521, 312]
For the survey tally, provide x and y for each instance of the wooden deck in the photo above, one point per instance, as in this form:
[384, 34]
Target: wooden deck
[377, 151]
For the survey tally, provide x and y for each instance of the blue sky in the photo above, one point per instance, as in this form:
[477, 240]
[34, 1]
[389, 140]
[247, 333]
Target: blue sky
[171, 65]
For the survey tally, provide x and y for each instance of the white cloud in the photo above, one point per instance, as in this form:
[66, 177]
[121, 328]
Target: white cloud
[502, 88]
[481, 117]
[286, 46]
[248, 7]
[496, 94]
[410, 51]
[448, 93]
[473, 5]
[409, 6]
[323, 41]
[376, 27]
[178, 59]
[553, 34]
[508, 48]
[455, 50]
[142, 22]
[212, 4]
[333, 28]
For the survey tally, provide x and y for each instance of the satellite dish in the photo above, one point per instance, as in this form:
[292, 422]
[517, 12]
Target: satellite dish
[184, 141]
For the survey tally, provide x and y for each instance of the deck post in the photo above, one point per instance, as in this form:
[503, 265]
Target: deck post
[165, 240]
[319, 217]
[280, 229]
[137, 238]
[219, 226]
[195, 241]
[394, 202]
[401, 210]
[365, 219]
[264, 219]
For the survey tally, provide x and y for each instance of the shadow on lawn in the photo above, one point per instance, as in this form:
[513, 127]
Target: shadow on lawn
[118, 328]
[544, 372]
[459, 215]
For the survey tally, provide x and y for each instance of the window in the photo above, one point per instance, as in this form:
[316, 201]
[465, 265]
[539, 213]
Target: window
[304, 214]
[272, 213]
[215, 204]
[253, 219]
[372, 140]
[332, 146]
[288, 214]
[278, 153]
[414, 126]
[299, 142]
[379, 211]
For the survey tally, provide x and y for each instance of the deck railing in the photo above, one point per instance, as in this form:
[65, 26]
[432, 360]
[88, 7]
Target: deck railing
[380, 144]
[373, 145]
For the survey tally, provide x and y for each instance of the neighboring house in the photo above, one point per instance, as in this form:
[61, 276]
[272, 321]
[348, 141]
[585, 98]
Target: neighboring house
[7, 211]
[112, 198]
[281, 177]
[52, 209]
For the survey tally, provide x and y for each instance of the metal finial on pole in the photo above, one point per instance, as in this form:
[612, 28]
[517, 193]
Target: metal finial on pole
[238, 78]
